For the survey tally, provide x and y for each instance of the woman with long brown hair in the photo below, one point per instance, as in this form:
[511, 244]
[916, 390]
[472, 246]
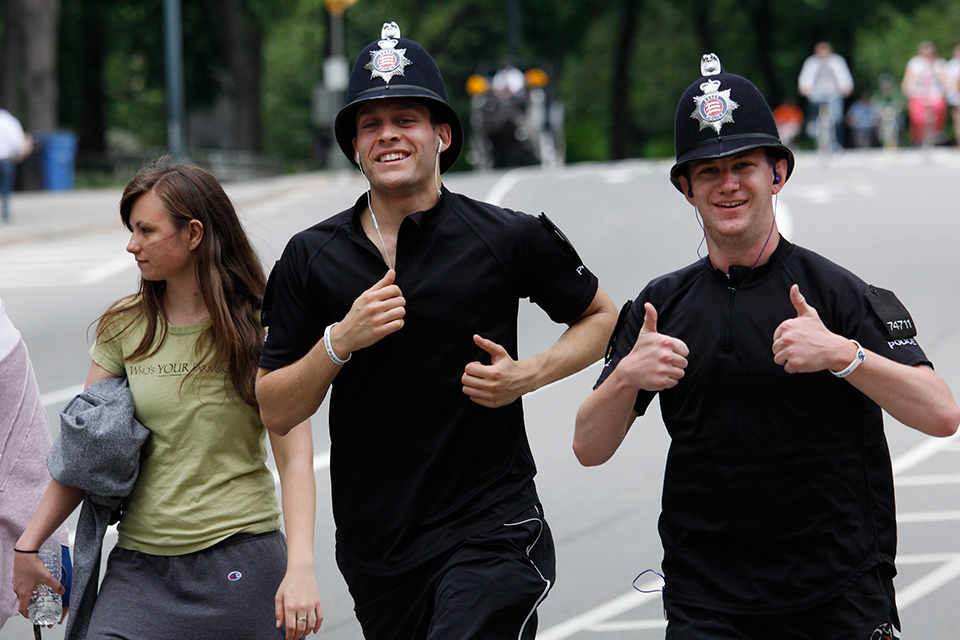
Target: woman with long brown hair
[199, 553]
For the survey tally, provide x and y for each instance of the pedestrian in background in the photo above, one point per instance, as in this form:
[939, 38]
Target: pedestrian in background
[789, 119]
[925, 86]
[24, 444]
[953, 91]
[773, 366]
[440, 531]
[863, 121]
[199, 552]
[825, 80]
[14, 147]
[888, 102]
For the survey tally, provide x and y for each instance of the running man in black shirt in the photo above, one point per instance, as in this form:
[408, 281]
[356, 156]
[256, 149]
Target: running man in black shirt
[406, 307]
[772, 365]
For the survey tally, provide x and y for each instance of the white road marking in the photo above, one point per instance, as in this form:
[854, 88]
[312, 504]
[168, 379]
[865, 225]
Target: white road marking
[929, 583]
[923, 451]
[503, 186]
[929, 480]
[927, 516]
[601, 614]
[65, 262]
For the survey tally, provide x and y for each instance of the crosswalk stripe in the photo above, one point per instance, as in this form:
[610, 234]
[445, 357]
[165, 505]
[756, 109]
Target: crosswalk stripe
[61, 263]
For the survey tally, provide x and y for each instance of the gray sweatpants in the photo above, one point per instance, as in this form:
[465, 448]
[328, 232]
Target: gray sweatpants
[226, 591]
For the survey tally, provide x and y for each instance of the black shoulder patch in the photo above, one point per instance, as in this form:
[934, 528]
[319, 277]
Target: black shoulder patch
[615, 336]
[267, 307]
[561, 239]
[894, 316]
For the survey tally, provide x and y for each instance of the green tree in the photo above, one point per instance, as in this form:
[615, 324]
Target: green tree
[617, 66]
[29, 51]
[887, 45]
[294, 47]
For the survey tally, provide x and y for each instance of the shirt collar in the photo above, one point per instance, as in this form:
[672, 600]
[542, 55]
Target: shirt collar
[427, 218]
[746, 276]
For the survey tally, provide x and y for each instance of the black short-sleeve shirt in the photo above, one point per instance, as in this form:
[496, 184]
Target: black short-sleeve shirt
[416, 466]
[778, 490]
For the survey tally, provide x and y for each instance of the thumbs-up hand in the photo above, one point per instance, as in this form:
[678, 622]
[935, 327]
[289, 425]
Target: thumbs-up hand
[657, 361]
[496, 384]
[803, 344]
[800, 303]
[649, 319]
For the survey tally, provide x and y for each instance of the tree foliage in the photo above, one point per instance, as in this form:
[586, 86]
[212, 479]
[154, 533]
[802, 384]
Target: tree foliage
[618, 67]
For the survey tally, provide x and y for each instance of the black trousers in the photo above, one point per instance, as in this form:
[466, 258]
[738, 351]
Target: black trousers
[489, 587]
[866, 611]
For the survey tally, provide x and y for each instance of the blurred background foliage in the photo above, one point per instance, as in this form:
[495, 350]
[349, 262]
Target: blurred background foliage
[618, 66]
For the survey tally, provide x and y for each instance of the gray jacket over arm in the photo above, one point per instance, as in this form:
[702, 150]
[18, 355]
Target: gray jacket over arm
[98, 451]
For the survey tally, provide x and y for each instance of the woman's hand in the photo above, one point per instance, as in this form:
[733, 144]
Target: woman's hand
[28, 574]
[298, 598]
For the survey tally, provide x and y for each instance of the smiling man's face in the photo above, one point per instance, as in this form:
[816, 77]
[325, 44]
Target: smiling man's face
[397, 144]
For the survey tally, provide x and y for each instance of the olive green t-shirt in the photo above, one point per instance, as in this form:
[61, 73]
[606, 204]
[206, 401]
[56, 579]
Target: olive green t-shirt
[203, 474]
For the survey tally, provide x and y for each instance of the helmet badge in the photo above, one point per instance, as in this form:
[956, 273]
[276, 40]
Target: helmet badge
[714, 108]
[388, 61]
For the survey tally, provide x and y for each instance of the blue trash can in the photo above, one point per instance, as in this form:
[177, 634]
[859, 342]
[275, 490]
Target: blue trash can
[59, 150]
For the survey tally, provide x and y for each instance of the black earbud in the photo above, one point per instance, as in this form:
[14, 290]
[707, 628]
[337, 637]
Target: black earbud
[690, 192]
[776, 178]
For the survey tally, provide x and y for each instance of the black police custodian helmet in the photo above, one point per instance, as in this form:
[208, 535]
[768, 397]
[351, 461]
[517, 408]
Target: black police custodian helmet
[721, 115]
[395, 67]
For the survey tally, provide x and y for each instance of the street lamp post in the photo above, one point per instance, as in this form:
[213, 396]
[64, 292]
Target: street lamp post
[328, 96]
[173, 46]
[336, 74]
[514, 27]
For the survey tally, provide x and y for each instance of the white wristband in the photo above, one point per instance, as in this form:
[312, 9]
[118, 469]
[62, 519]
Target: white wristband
[861, 356]
[330, 352]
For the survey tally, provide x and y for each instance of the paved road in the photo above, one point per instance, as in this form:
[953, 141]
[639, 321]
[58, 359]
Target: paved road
[888, 217]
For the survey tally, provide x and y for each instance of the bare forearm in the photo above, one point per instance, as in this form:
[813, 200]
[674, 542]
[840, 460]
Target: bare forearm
[292, 394]
[58, 502]
[297, 601]
[603, 421]
[915, 396]
[579, 346]
[294, 456]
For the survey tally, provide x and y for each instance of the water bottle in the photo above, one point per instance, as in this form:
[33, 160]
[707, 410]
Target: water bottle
[46, 606]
